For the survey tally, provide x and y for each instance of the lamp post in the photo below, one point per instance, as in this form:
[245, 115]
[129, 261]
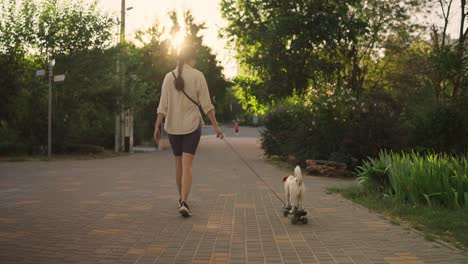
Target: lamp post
[49, 130]
[122, 119]
[122, 22]
[52, 78]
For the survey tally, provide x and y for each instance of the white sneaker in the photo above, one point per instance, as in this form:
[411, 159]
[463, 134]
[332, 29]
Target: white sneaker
[184, 210]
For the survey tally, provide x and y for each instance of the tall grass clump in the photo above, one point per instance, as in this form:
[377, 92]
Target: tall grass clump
[432, 179]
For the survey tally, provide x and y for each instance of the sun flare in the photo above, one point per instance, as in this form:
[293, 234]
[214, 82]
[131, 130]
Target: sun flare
[178, 40]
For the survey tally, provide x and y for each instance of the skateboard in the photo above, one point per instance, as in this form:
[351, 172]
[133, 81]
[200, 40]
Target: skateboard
[298, 216]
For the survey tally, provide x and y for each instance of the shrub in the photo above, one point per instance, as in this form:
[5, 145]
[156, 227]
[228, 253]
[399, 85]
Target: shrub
[443, 128]
[374, 174]
[418, 179]
[378, 125]
[9, 140]
[330, 123]
[280, 124]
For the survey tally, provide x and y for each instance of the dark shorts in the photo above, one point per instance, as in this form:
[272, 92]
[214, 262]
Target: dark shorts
[185, 143]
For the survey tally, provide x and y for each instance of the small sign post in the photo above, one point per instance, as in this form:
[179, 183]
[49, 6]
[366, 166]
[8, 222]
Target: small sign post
[49, 127]
[59, 78]
[52, 78]
[40, 72]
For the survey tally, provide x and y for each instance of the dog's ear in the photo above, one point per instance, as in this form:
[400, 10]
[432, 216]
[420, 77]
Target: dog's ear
[285, 178]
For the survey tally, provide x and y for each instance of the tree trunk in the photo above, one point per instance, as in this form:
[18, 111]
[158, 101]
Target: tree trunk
[446, 16]
[354, 78]
[459, 79]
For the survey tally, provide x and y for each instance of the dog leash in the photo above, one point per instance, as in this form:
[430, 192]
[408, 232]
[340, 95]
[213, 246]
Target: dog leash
[250, 167]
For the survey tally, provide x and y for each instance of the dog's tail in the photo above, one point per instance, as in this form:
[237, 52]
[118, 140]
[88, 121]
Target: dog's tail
[298, 174]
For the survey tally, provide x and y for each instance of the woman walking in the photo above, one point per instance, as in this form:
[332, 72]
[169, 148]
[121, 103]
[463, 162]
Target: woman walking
[184, 94]
[236, 128]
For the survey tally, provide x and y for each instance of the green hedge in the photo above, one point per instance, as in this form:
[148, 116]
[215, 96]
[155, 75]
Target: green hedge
[340, 128]
[333, 124]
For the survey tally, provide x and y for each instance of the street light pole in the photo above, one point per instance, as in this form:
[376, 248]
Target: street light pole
[122, 22]
[124, 119]
[120, 72]
[49, 132]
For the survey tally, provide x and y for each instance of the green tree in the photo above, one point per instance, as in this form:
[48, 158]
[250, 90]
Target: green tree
[449, 57]
[405, 72]
[77, 35]
[289, 44]
[66, 26]
[16, 38]
[21, 94]
[280, 41]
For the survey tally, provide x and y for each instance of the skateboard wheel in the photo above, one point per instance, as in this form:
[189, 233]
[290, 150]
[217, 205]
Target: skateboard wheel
[305, 220]
[285, 213]
[293, 220]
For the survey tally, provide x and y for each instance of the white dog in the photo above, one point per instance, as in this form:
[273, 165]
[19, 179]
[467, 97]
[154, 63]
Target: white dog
[294, 190]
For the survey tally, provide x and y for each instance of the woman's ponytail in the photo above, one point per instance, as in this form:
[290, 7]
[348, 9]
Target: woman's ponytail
[179, 81]
[186, 53]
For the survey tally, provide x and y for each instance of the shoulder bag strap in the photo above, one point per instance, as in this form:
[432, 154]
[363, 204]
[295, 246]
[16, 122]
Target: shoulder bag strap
[190, 98]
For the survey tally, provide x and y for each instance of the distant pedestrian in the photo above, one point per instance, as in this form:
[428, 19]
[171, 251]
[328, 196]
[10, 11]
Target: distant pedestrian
[236, 128]
[184, 94]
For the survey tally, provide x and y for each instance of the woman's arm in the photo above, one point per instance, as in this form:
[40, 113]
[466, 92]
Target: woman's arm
[159, 120]
[212, 117]
[157, 131]
[162, 110]
[206, 105]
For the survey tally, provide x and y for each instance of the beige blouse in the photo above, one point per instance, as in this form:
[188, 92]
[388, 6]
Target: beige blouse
[182, 115]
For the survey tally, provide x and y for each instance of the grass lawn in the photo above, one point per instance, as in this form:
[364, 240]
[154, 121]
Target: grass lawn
[435, 222]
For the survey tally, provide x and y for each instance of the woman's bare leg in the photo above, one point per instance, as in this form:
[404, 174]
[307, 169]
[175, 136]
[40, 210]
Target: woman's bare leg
[178, 160]
[186, 175]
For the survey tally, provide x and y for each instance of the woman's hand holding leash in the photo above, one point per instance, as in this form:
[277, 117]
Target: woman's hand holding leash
[211, 116]
[157, 131]
[219, 133]
[157, 136]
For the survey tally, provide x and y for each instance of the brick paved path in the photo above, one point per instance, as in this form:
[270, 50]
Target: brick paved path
[123, 210]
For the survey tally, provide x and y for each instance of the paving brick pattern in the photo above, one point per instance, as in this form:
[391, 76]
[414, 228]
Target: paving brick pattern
[124, 210]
